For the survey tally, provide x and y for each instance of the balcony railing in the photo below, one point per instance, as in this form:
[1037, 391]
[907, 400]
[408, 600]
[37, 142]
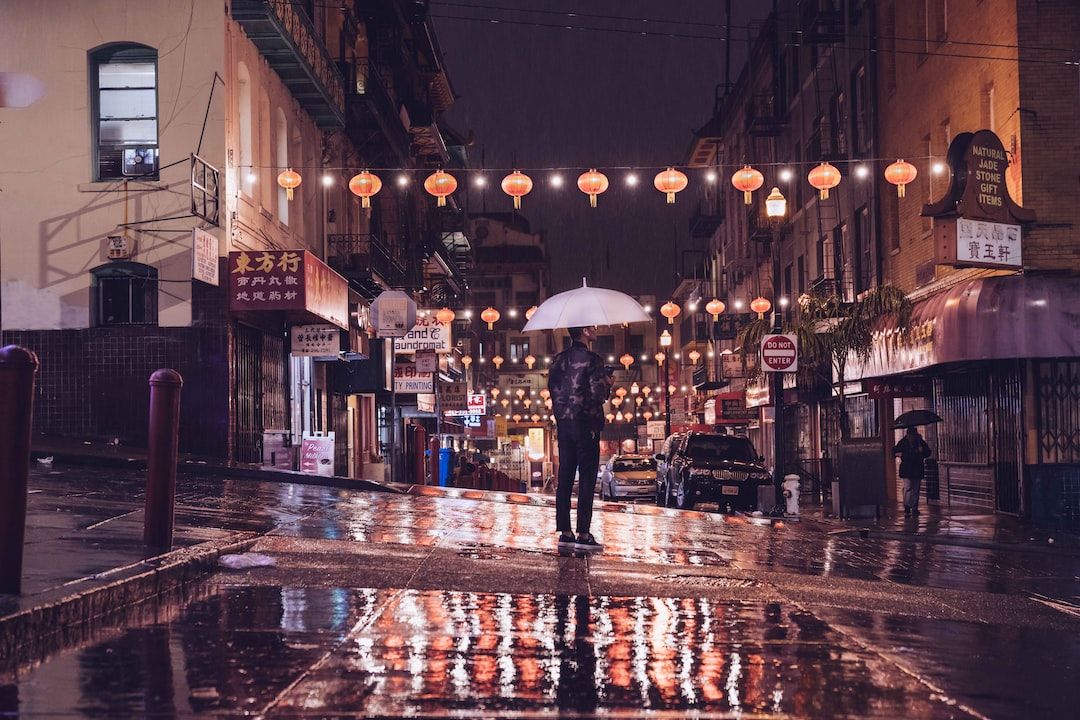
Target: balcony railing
[707, 217]
[764, 117]
[371, 105]
[288, 41]
[366, 262]
[822, 21]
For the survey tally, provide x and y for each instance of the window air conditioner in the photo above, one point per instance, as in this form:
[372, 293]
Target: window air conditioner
[140, 161]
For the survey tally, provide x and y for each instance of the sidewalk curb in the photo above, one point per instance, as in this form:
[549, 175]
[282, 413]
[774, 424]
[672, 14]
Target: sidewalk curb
[61, 617]
[953, 540]
[195, 467]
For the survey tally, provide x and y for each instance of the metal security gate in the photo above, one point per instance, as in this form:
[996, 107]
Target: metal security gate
[1007, 438]
[247, 361]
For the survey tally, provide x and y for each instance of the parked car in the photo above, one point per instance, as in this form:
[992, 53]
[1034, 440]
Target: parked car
[628, 476]
[708, 467]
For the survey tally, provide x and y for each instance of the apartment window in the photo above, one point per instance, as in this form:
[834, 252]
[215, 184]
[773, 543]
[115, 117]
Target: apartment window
[894, 216]
[987, 109]
[928, 143]
[861, 109]
[519, 349]
[123, 82]
[888, 42]
[863, 259]
[124, 293]
[787, 281]
[247, 158]
[604, 345]
[526, 299]
[801, 265]
[281, 162]
[937, 20]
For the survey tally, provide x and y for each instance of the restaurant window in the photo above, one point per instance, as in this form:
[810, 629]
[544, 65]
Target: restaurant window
[124, 293]
[123, 89]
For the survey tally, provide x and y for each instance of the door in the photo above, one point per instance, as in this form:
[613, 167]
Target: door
[1006, 438]
[247, 390]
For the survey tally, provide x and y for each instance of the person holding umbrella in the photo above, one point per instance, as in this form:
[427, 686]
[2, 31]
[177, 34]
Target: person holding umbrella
[579, 385]
[913, 451]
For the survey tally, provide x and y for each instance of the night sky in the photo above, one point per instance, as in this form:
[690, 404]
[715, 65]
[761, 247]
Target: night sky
[552, 97]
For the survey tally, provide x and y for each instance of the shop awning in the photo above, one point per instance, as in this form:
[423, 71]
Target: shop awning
[989, 318]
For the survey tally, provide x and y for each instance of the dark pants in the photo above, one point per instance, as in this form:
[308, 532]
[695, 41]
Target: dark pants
[579, 450]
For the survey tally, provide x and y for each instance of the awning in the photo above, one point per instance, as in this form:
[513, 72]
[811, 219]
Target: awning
[991, 318]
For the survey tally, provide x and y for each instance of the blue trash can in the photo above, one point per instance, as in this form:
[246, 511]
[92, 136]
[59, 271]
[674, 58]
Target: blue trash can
[446, 458]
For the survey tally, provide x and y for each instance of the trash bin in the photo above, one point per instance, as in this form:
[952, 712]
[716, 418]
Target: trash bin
[446, 461]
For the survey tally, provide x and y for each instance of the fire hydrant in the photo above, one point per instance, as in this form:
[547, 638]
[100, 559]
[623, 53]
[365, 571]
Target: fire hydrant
[791, 493]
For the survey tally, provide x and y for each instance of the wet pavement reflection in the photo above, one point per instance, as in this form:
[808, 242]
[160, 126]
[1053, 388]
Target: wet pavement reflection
[291, 651]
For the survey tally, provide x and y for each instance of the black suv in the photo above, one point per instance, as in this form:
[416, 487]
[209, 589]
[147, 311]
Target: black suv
[707, 467]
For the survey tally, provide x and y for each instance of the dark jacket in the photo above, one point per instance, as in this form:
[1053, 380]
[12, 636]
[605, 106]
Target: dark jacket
[912, 452]
[579, 385]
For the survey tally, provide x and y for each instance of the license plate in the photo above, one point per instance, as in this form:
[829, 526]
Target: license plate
[730, 490]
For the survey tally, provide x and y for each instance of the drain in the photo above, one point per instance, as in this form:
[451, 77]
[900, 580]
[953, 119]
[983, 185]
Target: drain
[717, 581]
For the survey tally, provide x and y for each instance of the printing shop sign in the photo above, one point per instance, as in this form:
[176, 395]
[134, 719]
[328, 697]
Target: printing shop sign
[427, 335]
[977, 223]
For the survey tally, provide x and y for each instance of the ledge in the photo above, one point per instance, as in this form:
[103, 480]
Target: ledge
[118, 186]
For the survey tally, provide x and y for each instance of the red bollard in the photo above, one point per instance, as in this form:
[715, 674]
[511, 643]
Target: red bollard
[17, 369]
[161, 455]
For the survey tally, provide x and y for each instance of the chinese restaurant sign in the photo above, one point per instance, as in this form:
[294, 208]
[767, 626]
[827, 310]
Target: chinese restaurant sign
[287, 280]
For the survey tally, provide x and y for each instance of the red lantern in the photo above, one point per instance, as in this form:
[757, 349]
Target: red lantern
[761, 306]
[466, 361]
[824, 177]
[530, 312]
[497, 361]
[671, 311]
[714, 307]
[900, 173]
[289, 179]
[669, 182]
[440, 184]
[365, 185]
[530, 360]
[694, 356]
[592, 183]
[445, 316]
[490, 316]
[747, 180]
[627, 360]
[517, 185]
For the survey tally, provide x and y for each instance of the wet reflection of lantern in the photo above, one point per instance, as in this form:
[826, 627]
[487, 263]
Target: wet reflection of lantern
[694, 356]
[520, 393]
[659, 358]
[494, 392]
[504, 402]
[638, 400]
[466, 361]
[620, 391]
[497, 361]
[626, 360]
[528, 402]
[610, 417]
[545, 393]
[616, 401]
[530, 360]
[646, 390]
[647, 415]
[535, 418]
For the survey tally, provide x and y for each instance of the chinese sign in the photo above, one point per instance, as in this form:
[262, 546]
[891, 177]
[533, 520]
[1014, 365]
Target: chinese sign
[427, 334]
[898, 387]
[204, 257]
[408, 380]
[987, 243]
[314, 340]
[656, 429]
[454, 397]
[737, 365]
[477, 403]
[287, 280]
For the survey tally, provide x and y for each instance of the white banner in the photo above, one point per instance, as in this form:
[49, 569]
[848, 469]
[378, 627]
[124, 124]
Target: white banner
[314, 340]
[988, 243]
[427, 335]
[204, 256]
[408, 380]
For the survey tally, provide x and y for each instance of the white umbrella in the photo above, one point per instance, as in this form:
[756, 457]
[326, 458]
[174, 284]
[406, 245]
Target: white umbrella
[586, 306]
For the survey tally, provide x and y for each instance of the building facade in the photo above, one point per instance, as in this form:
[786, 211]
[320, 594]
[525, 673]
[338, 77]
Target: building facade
[124, 246]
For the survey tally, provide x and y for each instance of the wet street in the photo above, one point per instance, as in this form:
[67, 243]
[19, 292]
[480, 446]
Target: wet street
[457, 603]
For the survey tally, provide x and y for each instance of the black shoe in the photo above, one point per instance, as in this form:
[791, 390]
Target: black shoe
[585, 541]
[566, 539]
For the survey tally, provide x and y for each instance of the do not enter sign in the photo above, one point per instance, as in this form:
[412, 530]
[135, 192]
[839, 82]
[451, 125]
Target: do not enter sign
[779, 353]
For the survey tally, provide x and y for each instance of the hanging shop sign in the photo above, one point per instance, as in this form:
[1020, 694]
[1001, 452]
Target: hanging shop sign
[428, 334]
[408, 380]
[314, 340]
[454, 396]
[426, 362]
[656, 429]
[738, 365]
[477, 403]
[779, 353]
[393, 314]
[898, 387]
[977, 223]
[290, 280]
[204, 257]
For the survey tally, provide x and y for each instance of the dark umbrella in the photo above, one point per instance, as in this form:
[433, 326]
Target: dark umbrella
[913, 418]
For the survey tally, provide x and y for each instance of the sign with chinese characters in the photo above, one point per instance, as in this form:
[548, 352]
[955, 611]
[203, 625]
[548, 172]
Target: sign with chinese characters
[408, 380]
[898, 387]
[477, 403]
[656, 429]
[393, 314]
[317, 454]
[454, 396]
[314, 340]
[204, 257]
[988, 244]
[428, 334]
[737, 365]
[287, 280]
[735, 409]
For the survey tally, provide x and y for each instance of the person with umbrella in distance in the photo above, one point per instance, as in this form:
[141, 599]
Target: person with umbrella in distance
[913, 451]
[579, 385]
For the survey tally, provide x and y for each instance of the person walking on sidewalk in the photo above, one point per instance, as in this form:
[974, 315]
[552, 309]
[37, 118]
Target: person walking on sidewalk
[579, 385]
[913, 451]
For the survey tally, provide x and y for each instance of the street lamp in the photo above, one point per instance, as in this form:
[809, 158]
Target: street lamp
[776, 209]
[665, 342]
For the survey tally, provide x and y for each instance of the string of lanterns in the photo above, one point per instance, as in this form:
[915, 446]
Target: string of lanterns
[823, 177]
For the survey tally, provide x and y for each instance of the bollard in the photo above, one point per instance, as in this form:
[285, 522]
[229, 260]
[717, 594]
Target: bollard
[161, 454]
[17, 369]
